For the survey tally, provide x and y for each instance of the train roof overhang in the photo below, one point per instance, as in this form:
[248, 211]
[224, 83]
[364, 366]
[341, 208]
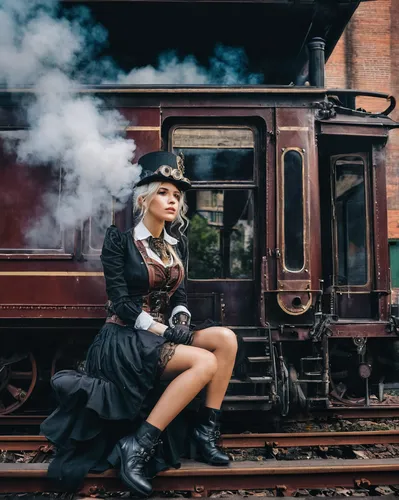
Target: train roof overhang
[334, 107]
[273, 33]
[366, 126]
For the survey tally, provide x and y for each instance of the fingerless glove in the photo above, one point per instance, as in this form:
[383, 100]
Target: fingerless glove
[181, 318]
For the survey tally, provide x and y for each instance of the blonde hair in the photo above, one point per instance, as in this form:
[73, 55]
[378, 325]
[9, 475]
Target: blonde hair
[146, 193]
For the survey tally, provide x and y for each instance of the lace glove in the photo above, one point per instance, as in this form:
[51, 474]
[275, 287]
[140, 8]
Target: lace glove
[180, 334]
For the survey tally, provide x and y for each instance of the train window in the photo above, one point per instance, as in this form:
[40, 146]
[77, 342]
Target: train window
[216, 154]
[294, 259]
[27, 226]
[94, 230]
[351, 221]
[221, 233]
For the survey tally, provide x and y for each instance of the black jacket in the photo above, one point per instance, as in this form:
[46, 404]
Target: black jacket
[126, 274]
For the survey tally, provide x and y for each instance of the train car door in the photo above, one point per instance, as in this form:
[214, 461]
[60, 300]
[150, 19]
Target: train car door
[221, 162]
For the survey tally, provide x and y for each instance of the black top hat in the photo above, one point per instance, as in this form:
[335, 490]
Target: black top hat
[163, 166]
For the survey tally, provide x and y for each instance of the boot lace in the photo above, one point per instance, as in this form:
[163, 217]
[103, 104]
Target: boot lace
[214, 435]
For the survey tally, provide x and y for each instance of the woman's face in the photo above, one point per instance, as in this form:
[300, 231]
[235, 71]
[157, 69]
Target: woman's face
[164, 205]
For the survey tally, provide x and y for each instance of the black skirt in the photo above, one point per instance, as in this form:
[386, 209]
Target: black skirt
[109, 400]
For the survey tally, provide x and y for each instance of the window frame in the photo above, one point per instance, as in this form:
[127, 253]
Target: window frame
[234, 184]
[88, 252]
[66, 249]
[368, 286]
[249, 185]
[282, 211]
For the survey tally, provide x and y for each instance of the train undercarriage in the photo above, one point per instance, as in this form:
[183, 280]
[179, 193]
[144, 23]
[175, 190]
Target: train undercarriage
[283, 377]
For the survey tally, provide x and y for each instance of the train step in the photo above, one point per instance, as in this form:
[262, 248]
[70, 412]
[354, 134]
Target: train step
[255, 339]
[259, 359]
[309, 381]
[252, 380]
[245, 398]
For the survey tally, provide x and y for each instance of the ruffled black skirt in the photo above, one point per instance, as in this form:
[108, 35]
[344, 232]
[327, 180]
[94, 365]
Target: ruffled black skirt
[109, 400]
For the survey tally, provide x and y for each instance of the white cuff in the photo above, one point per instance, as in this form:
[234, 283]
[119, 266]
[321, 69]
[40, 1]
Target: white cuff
[179, 309]
[144, 321]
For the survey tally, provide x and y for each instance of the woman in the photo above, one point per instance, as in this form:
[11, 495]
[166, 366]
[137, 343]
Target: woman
[112, 412]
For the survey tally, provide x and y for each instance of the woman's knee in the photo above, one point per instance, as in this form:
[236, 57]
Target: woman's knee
[228, 340]
[206, 363]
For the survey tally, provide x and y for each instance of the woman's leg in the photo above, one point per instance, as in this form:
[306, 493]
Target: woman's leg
[191, 369]
[222, 342]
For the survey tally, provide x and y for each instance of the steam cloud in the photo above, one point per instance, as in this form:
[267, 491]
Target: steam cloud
[226, 67]
[66, 129]
[70, 130]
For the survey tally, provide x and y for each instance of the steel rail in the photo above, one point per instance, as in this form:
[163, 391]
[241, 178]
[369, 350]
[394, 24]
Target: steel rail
[354, 412]
[285, 477]
[32, 443]
[347, 412]
[325, 438]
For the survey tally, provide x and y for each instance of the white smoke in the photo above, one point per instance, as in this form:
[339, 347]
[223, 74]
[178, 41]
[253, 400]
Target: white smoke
[67, 129]
[228, 66]
[71, 130]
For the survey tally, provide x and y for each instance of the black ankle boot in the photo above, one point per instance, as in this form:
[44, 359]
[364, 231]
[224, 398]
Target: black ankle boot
[132, 453]
[204, 437]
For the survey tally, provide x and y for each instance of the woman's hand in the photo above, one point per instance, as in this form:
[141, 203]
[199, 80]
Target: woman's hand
[181, 318]
[179, 334]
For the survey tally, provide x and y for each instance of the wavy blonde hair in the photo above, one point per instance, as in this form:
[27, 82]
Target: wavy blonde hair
[146, 193]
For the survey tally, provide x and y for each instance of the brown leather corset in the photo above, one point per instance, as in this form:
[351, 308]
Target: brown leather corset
[163, 281]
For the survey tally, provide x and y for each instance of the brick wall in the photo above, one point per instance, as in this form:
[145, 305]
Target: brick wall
[367, 58]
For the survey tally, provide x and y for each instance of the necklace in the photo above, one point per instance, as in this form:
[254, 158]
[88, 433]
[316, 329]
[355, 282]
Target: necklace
[159, 247]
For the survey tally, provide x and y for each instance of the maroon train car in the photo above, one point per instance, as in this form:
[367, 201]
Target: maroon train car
[288, 211]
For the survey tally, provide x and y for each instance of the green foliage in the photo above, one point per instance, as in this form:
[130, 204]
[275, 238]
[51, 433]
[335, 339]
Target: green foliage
[241, 254]
[394, 260]
[204, 249]
[205, 259]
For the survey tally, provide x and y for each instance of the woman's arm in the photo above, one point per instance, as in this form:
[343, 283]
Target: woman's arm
[157, 328]
[126, 308]
[113, 259]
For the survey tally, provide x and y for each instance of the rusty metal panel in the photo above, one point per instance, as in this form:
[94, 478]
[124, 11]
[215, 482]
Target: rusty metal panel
[141, 118]
[146, 140]
[295, 137]
[58, 282]
[227, 301]
[232, 301]
[44, 294]
[380, 233]
[352, 129]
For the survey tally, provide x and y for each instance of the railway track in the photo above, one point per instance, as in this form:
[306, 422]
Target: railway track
[340, 412]
[284, 477]
[283, 440]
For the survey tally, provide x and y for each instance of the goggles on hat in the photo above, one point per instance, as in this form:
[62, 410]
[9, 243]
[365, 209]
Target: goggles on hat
[175, 173]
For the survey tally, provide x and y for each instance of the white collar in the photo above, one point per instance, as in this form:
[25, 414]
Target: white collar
[142, 233]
